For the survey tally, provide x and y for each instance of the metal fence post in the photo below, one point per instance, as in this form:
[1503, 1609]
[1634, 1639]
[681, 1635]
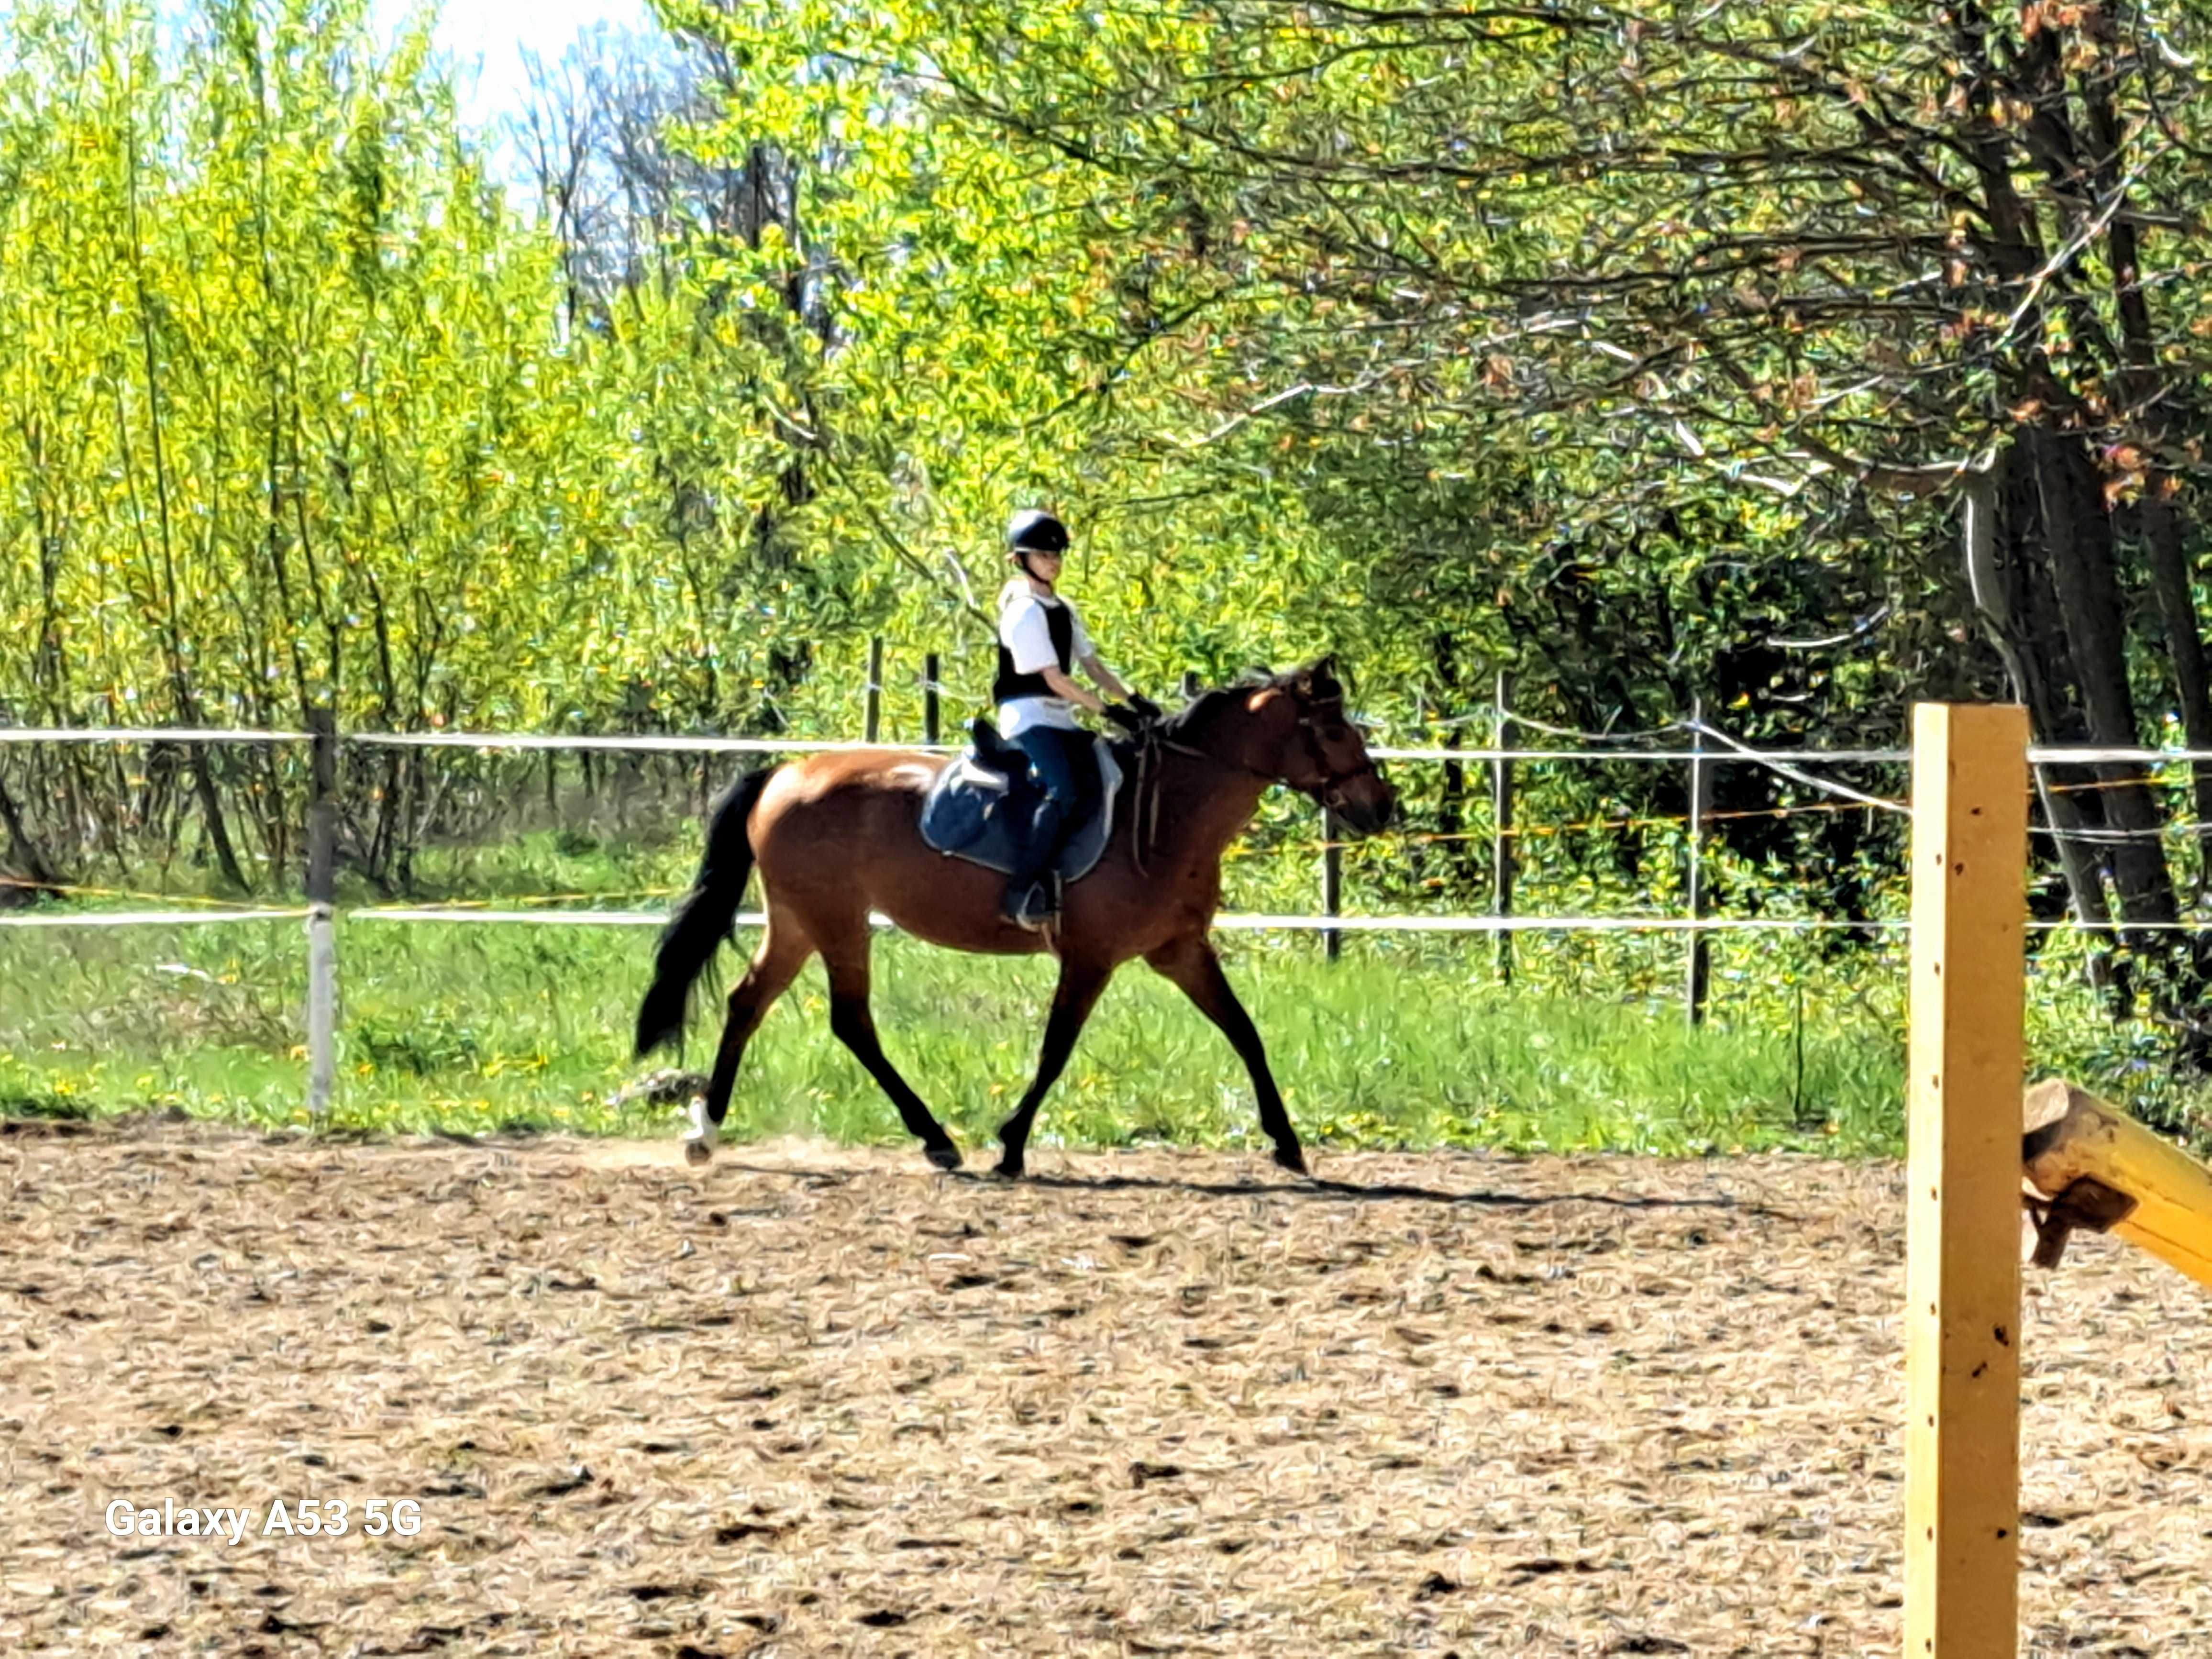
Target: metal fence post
[322, 917]
[930, 712]
[1332, 882]
[872, 726]
[1694, 980]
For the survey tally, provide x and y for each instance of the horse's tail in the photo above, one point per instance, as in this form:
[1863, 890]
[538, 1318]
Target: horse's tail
[703, 917]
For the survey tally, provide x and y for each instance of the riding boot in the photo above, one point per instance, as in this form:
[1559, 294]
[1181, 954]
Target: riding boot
[1025, 905]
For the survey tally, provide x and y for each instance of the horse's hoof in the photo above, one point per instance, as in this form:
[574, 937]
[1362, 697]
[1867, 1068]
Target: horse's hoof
[1008, 1169]
[701, 1134]
[1291, 1159]
[946, 1157]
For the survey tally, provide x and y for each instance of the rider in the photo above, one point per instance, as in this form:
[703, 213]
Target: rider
[1040, 640]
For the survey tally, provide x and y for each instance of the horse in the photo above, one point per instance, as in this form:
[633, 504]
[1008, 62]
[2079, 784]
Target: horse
[836, 835]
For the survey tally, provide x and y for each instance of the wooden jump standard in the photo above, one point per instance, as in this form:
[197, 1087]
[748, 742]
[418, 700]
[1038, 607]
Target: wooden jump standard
[1963, 1061]
[2082, 1165]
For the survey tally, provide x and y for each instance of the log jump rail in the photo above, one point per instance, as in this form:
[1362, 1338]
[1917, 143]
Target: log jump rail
[2090, 1167]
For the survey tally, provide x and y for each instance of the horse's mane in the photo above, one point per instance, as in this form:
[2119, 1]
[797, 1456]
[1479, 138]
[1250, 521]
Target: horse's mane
[1196, 718]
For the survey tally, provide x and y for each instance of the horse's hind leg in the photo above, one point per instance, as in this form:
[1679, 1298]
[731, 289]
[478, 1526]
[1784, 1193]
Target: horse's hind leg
[783, 952]
[856, 1027]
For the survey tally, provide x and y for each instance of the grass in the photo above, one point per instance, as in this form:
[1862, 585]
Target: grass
[472, 1028]
[1409, 1042]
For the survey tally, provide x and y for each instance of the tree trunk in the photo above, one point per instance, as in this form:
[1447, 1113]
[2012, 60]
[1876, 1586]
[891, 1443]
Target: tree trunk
[211, 805]
[2185, 648]
[2078, 544]
[29, 857]
[2139, 392]
[2013, 593]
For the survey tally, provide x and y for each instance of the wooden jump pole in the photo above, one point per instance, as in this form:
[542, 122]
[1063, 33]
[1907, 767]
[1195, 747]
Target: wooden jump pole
[2097, 1168]
[1963, 1064]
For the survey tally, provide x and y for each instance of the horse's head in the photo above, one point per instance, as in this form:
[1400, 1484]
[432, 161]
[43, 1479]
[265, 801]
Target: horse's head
[1316, 749]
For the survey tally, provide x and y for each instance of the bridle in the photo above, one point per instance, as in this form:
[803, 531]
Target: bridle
[1330, 792]
[1328, 789]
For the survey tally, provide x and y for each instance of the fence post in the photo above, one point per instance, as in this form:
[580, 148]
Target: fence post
[1332, 881]
[930, 715]
[1501, 830]
[1700, 955]
[872, 726]
[322, 922]
[1189, 685]
[1963, 1059]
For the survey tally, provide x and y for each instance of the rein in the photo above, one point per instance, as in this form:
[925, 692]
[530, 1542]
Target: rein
[1146, 814]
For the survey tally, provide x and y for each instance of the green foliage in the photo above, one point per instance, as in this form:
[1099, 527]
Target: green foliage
[294, 420]
[1254, 296]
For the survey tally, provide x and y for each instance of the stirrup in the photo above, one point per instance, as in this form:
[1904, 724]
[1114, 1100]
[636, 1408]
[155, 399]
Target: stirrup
[1035, 908]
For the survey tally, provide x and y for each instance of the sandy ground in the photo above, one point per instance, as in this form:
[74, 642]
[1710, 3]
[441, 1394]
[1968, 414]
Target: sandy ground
[816, 1399]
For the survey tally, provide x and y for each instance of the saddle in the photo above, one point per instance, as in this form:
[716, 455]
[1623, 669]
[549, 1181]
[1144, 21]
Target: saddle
[981, 806]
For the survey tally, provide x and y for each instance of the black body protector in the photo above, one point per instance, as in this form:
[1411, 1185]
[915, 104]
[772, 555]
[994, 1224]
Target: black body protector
[1008, 684]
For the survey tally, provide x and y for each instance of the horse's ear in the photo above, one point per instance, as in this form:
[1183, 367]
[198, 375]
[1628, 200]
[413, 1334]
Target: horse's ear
[1321, 677]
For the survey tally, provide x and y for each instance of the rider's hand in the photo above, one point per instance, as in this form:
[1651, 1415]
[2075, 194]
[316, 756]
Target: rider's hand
[1146, 707]
[1130, 719]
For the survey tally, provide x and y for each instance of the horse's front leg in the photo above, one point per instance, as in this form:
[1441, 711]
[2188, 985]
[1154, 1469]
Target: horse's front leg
[1080, 983]
[846, 957]
[1191, 964]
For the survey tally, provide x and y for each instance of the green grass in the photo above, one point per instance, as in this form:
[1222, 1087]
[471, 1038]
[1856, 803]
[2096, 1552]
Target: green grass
[471, 1028]
[1408, 1041]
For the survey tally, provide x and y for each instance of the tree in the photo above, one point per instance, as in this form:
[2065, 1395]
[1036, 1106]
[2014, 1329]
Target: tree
[1616, 269]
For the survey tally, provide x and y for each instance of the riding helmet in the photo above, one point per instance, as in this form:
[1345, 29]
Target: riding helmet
[1034, 531]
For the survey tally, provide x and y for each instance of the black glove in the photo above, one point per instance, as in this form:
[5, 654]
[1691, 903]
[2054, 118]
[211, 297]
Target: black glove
[1146, 707]
[1128, 718]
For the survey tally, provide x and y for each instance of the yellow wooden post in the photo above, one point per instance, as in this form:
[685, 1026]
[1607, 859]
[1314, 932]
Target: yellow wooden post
[1962, 1219]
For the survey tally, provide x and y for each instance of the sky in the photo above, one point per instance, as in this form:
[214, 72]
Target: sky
[485, 39]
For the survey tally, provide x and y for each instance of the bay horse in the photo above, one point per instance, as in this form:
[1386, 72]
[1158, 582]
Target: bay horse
[836, 835]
